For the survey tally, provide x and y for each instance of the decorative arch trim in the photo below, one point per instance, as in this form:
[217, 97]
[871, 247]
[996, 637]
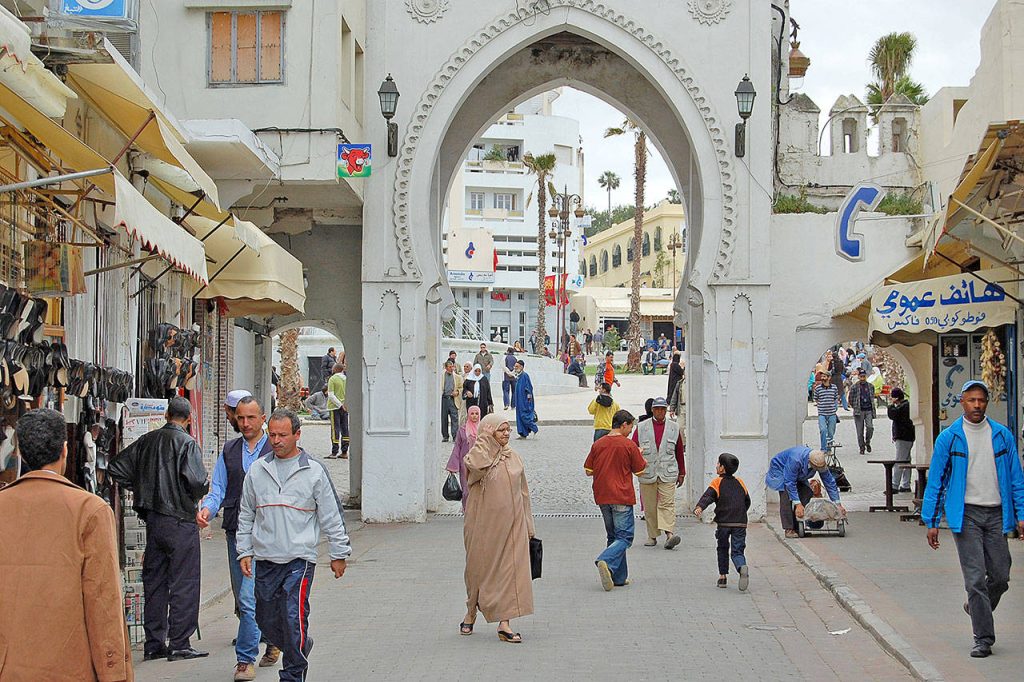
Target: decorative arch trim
[498, 26]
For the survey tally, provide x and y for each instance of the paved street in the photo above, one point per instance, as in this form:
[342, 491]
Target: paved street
[395, 616]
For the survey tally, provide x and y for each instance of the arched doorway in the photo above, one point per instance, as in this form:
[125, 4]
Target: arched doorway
[514, 57]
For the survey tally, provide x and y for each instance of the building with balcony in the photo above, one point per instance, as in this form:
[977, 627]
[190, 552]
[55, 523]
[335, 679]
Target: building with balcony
[490, 241]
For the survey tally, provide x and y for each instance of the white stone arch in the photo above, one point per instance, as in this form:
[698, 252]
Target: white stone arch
[415, 181]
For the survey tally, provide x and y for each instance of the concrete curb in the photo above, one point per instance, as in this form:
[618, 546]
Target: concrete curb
[884, 634]
[565, 422]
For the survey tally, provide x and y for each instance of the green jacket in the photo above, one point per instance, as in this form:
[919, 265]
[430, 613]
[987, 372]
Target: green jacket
[336, 388]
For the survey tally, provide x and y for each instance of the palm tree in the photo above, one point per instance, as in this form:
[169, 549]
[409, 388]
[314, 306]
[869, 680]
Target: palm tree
[609, 180]
[640, 177]
[890, 60]
[673, 197]
[543, 167]
[291, 380]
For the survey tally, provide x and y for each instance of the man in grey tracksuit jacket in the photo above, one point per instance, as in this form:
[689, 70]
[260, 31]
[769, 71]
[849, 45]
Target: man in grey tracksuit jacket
[288, 499]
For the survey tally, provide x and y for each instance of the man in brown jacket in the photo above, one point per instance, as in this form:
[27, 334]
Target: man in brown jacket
[61, 610]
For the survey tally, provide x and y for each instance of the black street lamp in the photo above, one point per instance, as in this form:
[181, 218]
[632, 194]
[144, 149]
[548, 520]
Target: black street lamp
[745, 95]
[561, 203]
[388, 94]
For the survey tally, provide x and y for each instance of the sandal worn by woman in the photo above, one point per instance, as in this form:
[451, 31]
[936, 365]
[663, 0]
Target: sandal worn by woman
[465, 628]
[510, 637]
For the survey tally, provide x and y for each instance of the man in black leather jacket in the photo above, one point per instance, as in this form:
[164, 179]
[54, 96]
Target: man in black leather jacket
[164, 470]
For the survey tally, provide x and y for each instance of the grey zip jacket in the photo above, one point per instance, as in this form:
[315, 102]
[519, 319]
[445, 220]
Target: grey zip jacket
[280, 521]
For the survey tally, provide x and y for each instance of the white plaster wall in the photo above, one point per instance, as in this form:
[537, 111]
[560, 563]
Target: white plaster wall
[244, 374]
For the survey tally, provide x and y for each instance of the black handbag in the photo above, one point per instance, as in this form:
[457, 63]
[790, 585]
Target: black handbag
[536, 557]
[451, 490]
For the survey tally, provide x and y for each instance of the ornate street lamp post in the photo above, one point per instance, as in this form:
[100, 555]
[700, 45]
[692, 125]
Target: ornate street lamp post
[389, 94]
[675, 243]
[561, 205]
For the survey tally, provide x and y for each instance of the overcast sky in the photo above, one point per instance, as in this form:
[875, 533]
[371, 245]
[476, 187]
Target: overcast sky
[837, 36]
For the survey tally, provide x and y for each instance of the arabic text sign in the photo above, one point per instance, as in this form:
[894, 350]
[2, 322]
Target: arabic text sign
[961, 302]
[470, 277]
[110, 9]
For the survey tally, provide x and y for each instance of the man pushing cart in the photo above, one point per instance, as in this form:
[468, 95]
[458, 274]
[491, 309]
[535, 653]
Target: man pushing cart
[789, 473]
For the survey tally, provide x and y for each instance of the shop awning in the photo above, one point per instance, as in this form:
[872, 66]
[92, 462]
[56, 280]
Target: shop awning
[123, 98]
[266, 283]
[156, 231]
[243, 231]
[24, 73]
[621, 306]
[960, 302]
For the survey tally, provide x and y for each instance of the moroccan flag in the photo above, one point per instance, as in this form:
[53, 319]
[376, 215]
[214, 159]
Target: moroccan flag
[495, 264]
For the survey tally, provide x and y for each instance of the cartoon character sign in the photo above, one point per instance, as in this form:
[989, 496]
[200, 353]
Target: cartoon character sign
[354, 160]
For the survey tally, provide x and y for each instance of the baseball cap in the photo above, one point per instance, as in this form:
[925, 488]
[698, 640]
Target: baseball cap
[659, 402]
[232, 398]
[974, 383]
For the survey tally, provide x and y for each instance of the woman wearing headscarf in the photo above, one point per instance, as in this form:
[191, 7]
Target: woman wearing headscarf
[477, 391]
[464, 440]
[526, 406]
[648, 410]
[675, 373]
[498, 526]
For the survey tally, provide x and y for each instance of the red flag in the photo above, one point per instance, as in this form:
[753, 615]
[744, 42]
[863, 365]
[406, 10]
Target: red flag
[495, 267]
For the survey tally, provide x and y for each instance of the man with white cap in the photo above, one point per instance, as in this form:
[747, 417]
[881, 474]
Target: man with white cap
[975, 479]
[789, 473]
[231, 402]
[225, 493]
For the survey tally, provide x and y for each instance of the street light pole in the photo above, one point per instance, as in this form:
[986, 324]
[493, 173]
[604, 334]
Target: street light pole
[561, 203]
[675, 243]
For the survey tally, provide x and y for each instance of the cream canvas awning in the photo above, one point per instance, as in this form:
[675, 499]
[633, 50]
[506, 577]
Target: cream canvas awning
[123, 98]
[24, 73]
[269, 282]
[244, 231]
[960, 302]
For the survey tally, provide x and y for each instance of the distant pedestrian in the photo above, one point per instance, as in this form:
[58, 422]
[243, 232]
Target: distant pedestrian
[598, 340]
[526, 410]
[61, 611]
[533, 342]
[903, 436]
[975, 480]
[451, 389]
[229, 473]
[790, 472]
[464, 440]
[862, 402]
[467, 371]
[826, 398]
[327, 363]
[607, 372]
[588, 341]
[288, 500]
[476, 390]
[453, 357]
[731, 498]
[675, 375]
[485, 360]
[603, 407]
[662, 447]
[337, 395]
[497, 531]
[574, 321]
[837, 370]
[576, 369]
[164, 470]
[612, 462]
[677, 402]
[508, 381]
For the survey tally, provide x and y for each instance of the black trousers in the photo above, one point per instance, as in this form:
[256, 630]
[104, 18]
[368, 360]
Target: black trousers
[449, 417]
[170, 579]
[786, 506]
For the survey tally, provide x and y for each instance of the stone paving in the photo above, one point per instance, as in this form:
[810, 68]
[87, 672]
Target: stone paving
[395, 616]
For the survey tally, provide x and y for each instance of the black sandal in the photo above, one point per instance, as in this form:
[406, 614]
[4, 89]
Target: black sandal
[465, 628]
[510, 637]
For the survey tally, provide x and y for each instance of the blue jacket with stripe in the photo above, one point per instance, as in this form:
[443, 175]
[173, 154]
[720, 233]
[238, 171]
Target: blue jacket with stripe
[947, 477]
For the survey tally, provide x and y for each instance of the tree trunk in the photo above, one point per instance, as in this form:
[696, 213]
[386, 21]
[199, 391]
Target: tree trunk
[542, 247]
[640, 175]
[288, 390]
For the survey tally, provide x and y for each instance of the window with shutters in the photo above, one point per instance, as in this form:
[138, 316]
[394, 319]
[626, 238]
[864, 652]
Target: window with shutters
[246, 47]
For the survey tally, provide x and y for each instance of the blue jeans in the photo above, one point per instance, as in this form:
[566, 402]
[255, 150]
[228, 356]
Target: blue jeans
[734, 539]
[827, 428]
[247, 643]
[618, 524]
[508, 393]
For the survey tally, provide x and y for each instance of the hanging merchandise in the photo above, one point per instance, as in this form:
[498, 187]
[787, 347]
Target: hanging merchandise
[993, 364]
[53, 269]
[172, 363]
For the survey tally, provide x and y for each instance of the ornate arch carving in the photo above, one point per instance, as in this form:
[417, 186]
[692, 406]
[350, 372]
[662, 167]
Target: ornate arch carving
[498, 26]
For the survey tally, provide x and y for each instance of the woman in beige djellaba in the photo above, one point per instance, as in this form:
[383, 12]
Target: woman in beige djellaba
[498, 526]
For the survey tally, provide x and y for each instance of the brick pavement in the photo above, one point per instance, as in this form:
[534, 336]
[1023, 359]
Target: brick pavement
[395, 616]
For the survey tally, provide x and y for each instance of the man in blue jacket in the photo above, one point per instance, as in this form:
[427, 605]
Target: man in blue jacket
[975, 479]
[789, 473]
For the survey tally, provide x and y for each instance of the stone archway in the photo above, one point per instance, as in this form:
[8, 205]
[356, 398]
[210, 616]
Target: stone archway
[595, 48]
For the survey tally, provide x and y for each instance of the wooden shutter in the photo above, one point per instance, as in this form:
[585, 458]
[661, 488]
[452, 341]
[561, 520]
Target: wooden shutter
[245, 48]
[270, 45]
[220, 47]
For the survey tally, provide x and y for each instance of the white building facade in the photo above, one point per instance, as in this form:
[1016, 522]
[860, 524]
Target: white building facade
[493, 207]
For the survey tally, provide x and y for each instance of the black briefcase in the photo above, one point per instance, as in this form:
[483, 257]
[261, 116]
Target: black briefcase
[536, 557]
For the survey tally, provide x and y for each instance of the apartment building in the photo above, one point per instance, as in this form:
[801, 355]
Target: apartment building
[491, 224]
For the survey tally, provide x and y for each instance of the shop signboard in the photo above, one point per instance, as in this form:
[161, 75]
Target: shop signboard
[144, 415]
[105, 9]
[962, 302]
